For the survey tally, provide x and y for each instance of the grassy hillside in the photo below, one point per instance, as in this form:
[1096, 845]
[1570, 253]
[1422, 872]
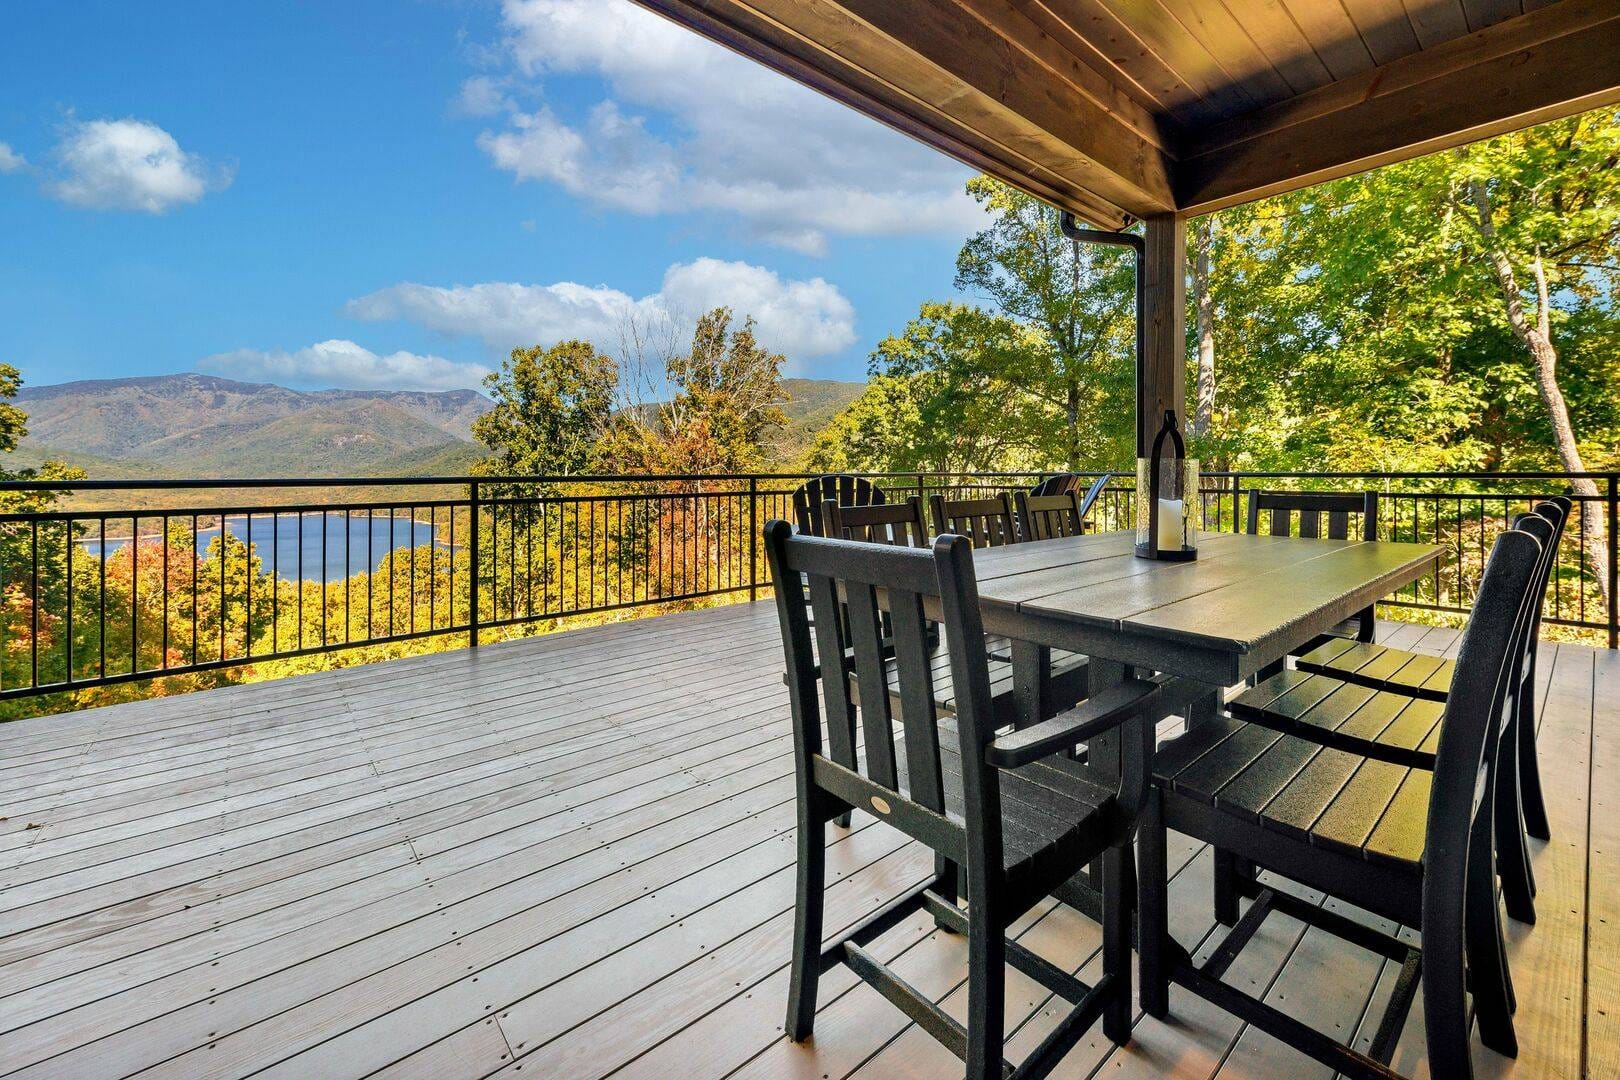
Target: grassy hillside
[811, 406]
[184, 426]
[199, 425]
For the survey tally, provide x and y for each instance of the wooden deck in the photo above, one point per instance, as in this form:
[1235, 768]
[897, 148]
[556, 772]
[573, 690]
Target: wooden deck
[572, 856]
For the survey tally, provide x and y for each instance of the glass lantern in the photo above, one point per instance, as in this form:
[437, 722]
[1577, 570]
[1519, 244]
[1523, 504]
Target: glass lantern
[1167, 504]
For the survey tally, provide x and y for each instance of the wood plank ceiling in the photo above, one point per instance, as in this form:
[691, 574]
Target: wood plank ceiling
[1122, 109]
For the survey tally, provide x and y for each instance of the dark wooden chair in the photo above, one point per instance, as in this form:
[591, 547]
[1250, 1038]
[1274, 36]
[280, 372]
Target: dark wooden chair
[841, 488]
[1355, 697]
[1008, 816]
[1314, 509]
[1047, 517]
[877, 523]
[902, 524]
[1424, 676]
[988, 522]
[1066, 482]
[1409, 844]
[1059, 484]
[993, 522]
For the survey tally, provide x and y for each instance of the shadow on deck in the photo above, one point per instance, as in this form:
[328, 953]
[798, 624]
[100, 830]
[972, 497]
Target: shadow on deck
[573, 856]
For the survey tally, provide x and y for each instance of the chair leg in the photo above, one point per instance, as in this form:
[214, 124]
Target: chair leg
[1445, 1002]
[987, 985]
[1116, 912]
[1535, 807]
[1512, 856]
[946, 883]
[1267, 672]
[1486, 962]
[1152, 906]
[1226, 887]
[801, 1011]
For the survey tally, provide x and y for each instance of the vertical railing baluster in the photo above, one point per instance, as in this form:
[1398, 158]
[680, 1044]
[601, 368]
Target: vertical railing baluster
[1613, 529]
[67, 675]
[224, 555]
[300, 579]
[348, 570]
[472, 567]
[275, 581]
[247, 640]
[326, 550]
[195, 592]
[33, 637]
[101, 606]
[753, 536]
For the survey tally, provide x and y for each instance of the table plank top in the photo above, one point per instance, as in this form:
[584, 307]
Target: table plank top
[1243, 594]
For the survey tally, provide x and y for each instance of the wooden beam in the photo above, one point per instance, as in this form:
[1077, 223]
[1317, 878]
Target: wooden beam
[1025, 111]
[1164, 300]
[1551, 63]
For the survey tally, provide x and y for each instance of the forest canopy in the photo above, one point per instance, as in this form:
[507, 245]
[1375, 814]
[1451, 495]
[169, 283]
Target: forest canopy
[1427, 315]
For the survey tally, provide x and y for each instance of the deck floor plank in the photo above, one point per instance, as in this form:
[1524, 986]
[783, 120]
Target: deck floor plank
[573, 853]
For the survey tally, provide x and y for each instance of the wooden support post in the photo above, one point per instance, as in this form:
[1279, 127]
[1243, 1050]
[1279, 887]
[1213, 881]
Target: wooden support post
[1162, 383]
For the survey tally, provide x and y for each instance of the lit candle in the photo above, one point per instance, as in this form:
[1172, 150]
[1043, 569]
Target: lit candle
[1169, 538]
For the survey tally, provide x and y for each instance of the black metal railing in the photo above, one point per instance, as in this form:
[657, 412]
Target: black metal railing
[118, 581]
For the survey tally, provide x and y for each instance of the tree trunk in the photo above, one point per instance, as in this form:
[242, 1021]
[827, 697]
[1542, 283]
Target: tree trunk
[1204, 410]
[1537, 339]
[1071, 411]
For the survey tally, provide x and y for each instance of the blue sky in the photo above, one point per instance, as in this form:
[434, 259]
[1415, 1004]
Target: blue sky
[396, 193]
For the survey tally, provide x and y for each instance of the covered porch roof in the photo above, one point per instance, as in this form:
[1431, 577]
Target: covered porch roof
[1127, 109]
[1156, 110]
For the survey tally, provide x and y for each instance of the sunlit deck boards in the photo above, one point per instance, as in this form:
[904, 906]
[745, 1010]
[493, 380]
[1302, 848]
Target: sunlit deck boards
[572, 856]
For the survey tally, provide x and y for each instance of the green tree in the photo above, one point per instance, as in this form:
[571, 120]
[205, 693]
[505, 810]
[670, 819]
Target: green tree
[1454, 311]
[725, 397]
[944, 397]
[552, 407]
[1076, 300]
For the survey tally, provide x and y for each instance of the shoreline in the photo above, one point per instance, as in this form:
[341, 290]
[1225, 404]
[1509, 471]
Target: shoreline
[86, 541]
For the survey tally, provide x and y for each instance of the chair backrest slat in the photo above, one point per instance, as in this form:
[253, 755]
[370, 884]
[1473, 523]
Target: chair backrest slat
[847, 575]
[843, 488]
[834, 690]
[1312, 507]
[1557, 511]
[866, 639]
[1047, 517]
[988, 522]
[918, 716]
[1059, 484]
[880, 523]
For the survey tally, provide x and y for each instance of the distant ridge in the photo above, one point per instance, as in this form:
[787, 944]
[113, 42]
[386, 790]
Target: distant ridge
[204, 425]
[192, 425]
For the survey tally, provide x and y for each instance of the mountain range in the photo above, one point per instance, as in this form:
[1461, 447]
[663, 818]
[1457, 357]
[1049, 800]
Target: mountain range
[203, 425]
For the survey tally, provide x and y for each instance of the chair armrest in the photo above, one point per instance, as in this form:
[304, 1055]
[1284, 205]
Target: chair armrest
[1085, 721]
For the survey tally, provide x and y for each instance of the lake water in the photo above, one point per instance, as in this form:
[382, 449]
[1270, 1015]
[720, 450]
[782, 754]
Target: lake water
[339, 553]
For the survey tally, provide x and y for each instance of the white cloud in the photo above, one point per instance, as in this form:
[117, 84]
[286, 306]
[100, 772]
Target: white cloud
[344, 364]
[692, 126]
[10, 160]
[481, 95]
[798, 318]
[129, 165]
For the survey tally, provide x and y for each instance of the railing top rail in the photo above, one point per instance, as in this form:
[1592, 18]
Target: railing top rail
[216, 483]
[223, 483]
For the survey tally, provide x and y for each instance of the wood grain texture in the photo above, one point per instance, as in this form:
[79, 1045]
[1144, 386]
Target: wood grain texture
[602, 820]
[1551, 63]
[1243, 603]
[1118, 109]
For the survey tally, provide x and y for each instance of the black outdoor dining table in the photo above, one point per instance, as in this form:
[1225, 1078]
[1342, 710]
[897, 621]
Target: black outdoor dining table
[1243, 604]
